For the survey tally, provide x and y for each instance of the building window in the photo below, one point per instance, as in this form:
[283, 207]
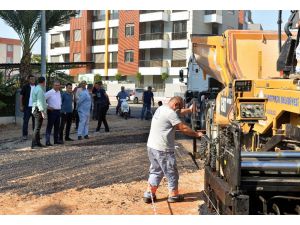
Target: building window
[178, 58]
[76, 57]
[55, 58]
[9, 60]
[78, 14]
[215, 29]
[99, 15]
[129, 56]
[99, 37]
[129, 29]
[231, 12]
[10, 48]
[77, 35]
[114, 14]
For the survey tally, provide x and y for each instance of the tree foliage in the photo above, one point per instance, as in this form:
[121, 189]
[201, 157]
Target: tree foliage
[27, 24]
[118, 76]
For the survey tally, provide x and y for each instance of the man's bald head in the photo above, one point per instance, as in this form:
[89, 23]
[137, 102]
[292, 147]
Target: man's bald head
[176, 103]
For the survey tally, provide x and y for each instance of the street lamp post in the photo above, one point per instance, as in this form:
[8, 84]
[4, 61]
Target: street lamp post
[43, 43]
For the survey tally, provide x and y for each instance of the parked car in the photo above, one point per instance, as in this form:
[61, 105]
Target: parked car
[136, 95]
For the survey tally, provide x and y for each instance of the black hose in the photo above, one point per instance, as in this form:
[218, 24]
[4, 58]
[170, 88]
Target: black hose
[279, 29]
[289, 23]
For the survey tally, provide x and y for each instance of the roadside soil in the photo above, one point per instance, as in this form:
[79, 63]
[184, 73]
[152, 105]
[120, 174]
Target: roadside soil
[104, 175]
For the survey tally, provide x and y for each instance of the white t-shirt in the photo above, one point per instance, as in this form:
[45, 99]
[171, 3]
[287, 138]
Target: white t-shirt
[53, 99]
[30, 98]
[162, 131]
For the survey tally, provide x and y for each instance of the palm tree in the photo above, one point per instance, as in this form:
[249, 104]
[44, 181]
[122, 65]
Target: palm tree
[27, 24]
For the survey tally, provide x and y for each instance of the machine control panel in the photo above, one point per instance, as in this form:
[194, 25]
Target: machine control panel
[243, 85]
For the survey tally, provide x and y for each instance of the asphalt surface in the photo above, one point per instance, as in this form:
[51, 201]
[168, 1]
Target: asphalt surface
[106, 158]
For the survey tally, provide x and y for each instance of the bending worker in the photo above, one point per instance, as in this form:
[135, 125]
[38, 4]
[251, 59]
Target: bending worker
[161, 146]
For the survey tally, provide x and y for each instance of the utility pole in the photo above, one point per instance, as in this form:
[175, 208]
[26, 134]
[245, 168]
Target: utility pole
[43, 43]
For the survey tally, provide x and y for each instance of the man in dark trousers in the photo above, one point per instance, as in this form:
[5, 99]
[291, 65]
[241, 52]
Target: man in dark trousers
[39, 107]
[53, 98]
[102, 104]
[66, 113]
[147, 98]
[26, 105]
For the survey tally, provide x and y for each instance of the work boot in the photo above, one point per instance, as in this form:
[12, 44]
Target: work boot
[176, 198]
[86, 137]
[147, 197]
[79, 138]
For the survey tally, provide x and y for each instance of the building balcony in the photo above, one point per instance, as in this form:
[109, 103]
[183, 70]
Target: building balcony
[114, 16]
[184, 43]
[113, 65]
[178, 63]
[152, 67]
[113, 41]
[153, 15]
[98, 66]
[151, 63]
[99, 42]
[151, 36]
[60, 44]
[179, 15]
[179, 35]
[98, 18]
[61, 28]
[212, 18]
[154, 40]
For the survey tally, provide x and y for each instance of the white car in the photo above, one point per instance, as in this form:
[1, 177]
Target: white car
[136, 95]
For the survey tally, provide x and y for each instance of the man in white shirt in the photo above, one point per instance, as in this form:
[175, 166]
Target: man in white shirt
[53, 99]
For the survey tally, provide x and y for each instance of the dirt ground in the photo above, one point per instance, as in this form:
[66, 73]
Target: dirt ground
[105, 175]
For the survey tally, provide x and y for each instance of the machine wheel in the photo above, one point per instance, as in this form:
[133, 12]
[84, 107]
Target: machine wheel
[135, 100]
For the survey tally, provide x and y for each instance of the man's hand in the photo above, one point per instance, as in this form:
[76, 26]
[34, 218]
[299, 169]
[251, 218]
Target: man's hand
[22, 108]
[199, 134]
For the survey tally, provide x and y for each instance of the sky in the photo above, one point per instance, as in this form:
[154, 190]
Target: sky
[267, 18]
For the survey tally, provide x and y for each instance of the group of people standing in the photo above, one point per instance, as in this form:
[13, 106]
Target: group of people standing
[59, 108]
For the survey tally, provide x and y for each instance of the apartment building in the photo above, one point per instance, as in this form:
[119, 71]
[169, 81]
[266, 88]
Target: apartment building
[150, 42]
[10, 52]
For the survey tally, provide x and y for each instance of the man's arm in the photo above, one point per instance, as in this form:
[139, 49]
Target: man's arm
[152, 99]
[188, 131]
[183, 112]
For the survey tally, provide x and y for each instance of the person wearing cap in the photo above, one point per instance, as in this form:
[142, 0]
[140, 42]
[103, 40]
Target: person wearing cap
[83, 107]
[121, 95]
[161, 148]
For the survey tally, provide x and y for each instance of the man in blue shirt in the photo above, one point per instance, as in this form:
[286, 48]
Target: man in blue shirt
[66, 113]
[121, 95]
[147, 97]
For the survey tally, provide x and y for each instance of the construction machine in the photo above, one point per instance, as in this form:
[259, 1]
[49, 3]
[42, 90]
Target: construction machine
[252, 161]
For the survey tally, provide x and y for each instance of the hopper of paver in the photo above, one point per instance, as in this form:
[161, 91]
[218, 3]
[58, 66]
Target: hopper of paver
[238, 54]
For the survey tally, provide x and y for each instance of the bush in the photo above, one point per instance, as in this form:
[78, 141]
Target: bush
[97, 78]
[118, 76]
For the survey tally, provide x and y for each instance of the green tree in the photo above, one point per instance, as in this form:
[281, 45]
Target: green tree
[139, 78]
[97, 77]
[118, 76]
[27, 24]
[164, 77]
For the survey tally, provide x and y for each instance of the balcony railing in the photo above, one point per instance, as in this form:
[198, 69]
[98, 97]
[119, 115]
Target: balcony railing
[99, 42]
[114, 16]
[150, 11]
[98, 66]
[179, 35]
[99, 18]
[151, 63]
[60, 44]
[209, 12]
[113, 65]
[113, 41]
[178, 63]
[151, 36]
